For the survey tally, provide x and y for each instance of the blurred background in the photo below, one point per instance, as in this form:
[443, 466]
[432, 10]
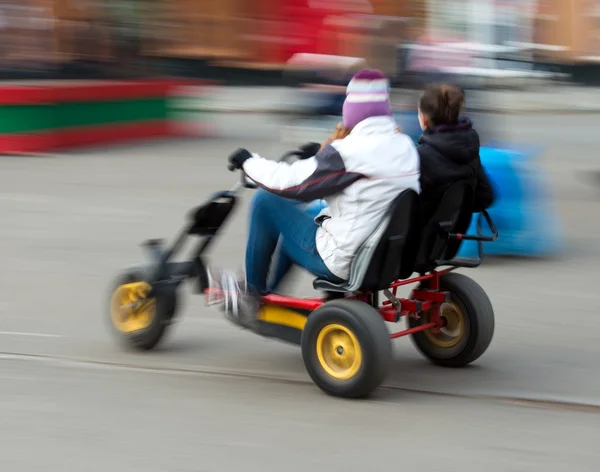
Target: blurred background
[116, 118]
[100, 38]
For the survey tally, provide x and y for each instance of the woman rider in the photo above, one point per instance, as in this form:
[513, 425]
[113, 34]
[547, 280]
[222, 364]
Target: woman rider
[358, 177]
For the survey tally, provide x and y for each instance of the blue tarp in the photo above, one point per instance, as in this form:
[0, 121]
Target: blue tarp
[523, 212]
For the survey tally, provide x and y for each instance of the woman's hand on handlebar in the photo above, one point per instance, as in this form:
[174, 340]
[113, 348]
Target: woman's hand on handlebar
[237, 159]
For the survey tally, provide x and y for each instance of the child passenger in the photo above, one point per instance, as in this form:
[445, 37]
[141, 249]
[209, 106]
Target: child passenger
[449, 147]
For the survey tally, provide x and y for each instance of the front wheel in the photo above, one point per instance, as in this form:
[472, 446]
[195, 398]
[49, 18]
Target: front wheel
[469, 324]
[139, 321]
[346, 348]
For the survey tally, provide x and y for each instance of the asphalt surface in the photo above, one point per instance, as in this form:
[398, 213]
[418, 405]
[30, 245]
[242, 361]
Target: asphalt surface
[214, 398]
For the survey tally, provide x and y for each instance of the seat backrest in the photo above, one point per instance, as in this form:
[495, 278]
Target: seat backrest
[451, 213]
[390, 252]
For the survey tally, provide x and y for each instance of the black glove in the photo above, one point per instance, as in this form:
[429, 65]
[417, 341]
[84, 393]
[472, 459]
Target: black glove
[308, 150]
[237, 159]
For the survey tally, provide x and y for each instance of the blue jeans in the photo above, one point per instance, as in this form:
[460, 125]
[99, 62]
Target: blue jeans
[285, 229]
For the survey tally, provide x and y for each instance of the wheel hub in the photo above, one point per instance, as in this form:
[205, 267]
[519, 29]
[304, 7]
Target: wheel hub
[131, 310]
[453, 326]
[338, 351]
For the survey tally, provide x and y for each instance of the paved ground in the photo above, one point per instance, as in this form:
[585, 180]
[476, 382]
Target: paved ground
[71, 222]
[67, 416]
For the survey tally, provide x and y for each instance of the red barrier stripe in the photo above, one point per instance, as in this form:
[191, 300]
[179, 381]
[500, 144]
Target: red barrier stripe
[90, 91]
[75, 137]
[19, 95]
[25, 143]
[112, 91]
[85, 136]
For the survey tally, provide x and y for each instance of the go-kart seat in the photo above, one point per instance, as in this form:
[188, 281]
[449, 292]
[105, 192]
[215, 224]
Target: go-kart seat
[388, 254]
[451, 214]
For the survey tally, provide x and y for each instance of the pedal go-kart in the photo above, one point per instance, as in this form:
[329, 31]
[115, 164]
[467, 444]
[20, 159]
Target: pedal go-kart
[345, 343]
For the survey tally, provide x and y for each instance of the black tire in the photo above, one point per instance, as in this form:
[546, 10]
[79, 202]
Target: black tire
[164, 314]
[368, 328]
[478, 318]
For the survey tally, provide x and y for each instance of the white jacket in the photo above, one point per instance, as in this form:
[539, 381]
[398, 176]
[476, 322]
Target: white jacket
[358, 176]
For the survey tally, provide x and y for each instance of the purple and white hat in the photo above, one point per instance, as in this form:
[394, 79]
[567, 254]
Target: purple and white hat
[367, 95]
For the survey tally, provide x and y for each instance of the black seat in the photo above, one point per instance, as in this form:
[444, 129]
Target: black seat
[452, 213]
[388, 254]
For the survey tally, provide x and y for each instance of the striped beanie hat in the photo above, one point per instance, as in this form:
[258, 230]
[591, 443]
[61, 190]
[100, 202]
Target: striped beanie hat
[367, 95]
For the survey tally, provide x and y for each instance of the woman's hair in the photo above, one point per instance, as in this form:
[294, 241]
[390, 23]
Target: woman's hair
[442, 103]
[340, 132]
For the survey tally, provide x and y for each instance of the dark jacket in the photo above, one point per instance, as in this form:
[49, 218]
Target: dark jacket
[450, 153]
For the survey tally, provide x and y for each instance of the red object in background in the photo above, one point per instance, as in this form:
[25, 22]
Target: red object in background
[303, 28]
[57, 137]
[42, 142]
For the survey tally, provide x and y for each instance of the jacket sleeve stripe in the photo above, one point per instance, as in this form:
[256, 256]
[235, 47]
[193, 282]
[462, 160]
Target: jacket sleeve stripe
[317, 187]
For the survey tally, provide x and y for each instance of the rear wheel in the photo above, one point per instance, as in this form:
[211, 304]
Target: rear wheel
[469, 324]
[346, 348]
[139, 321]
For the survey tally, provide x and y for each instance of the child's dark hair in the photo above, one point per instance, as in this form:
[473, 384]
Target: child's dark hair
[442, 103]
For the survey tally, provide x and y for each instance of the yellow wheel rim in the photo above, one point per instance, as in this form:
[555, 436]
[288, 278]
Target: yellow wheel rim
[339, 352]
[453, 331]
[130, 309]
